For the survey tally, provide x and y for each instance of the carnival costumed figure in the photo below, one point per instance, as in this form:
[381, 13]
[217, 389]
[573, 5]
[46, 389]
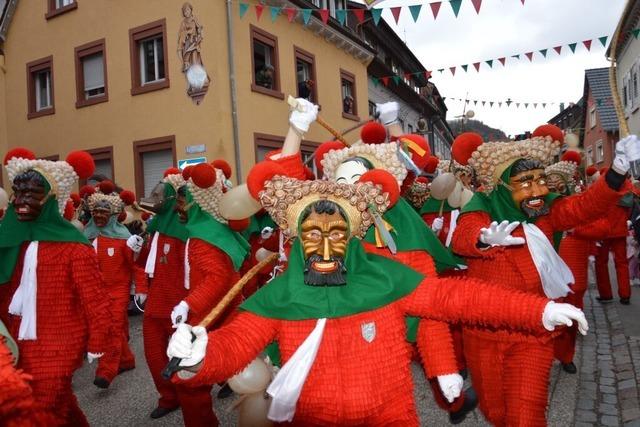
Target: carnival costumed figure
[53, 300]
[116, 249]
[505, 233]
[339, 312]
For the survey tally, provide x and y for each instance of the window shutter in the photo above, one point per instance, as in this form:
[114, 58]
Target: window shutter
[93, 69]
[154, 163]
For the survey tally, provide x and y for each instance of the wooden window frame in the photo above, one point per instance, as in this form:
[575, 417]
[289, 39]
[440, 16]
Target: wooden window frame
[81, 52]
[52, 157]
[272, 41]
[275, 142]
[308, 57]
[144, 146]
[350, 77]
[101, 153]
[142, 32]
[53, 11]
[33, 67]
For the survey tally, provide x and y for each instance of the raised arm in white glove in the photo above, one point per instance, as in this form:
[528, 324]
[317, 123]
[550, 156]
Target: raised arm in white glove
[135, 243]
[451, 386]
[500, 234]
[180, 313]
[182, 346]
[388, 112]
[302, 117]
[556, 314]
[627, 151]
[437, 224]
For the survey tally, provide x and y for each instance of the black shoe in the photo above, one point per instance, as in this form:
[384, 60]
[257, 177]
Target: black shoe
[470, 403]
[225, 392]
[625, 301]
[464, 373]
[101, 382]
[569, 368]
[160, 412]
[604, 299]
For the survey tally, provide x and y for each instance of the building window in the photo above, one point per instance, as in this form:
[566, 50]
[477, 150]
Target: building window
[349, 96]
[599, 151]
[589, 156]
[53, 157]
[58, 7]
[592, 117]
[148, 51]
[91, 74]
[372, 109]
[264, 61]
[103, 158]
[151, 158]
[40, 87]
[306, 81]
[265, 144]
[409, 128]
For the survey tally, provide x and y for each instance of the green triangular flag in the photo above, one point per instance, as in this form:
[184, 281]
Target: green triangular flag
[375, 81]
[543, 52]
[243, 9]
[440, 70]
[603, 40]
[415, 11]
[516, 56]
[396, 79]
[489, 63]
[306, 16]
[275, 11]
[376, 13]
[341, 14]
[636, 32]
[455, 5]
[572, 46]
[464, 67]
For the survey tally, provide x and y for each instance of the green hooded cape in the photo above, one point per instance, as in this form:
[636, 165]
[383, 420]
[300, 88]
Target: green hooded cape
[166, 221]
[257, 223]
[432, 205]
[113, 229]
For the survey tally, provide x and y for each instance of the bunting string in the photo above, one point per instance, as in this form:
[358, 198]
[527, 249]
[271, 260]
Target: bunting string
[510, 103]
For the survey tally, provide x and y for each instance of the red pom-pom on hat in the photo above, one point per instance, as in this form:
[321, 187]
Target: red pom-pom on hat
[373, 133]
[82, 163]
[261, 173]
[418, 148]
[432, 164]
[145, 216]
[19, 153]
[128, 197]
[239, 224]
[107, 187]
[549, 130]
[464, 145]
[572, 156]
[75, 198]
[69, 210]
[422, 179]
[203, 175]
[323, 149]
[186, 172]
[122, 216]
[385, 180]
[223, 166]
[591, 170]
[171, 171]
[86, 191]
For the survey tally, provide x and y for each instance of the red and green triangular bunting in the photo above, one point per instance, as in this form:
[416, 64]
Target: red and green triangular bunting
[341, 15]
[455, 5]
[395, 11]
[275, 11]
[375, 14]
[306, 16]
[259, 9]
[453, 70]
[415, 11]
[502, 60]
[603, 40]
[558, 49]
[385, 80]
[489, 63]
[324, 15]
[587, 44]
[464, 67]
[244, 7]
[543, 52]
[359, 13]
[291, 12]
[572, 46]
[636, 32]
[476, 5]
[375, 81]
[435, 8]
[397, 80]
[476, 65]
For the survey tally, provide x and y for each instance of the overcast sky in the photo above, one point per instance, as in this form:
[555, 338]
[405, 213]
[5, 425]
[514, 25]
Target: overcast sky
[503, 28]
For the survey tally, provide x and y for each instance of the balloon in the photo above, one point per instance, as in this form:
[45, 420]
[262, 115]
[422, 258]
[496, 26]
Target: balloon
[263, 253]
[253, 410]
[442, 186]
[572, 140]
[254, 378]
[454, 198]
[466, 196]
[4, 199]
[237, 203]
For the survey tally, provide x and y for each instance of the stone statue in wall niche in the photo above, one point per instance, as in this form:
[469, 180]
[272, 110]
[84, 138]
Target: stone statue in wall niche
[189, 50]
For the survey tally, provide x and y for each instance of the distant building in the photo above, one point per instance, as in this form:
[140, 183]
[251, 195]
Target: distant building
[569, 119]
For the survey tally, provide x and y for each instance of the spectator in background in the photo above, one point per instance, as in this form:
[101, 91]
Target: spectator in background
[264, 77]
[347, 104]
[305, 90]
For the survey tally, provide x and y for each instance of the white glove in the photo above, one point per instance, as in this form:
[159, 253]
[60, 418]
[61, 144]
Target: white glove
[141, 298]
[182, 346]
[266, 233]
[437, 225]
[302, 117]
[388, 112]
[451, 386]
[179, 313]
[627, 151]
[135, 243]
[500, 234]
[563, 315]
[93, 356]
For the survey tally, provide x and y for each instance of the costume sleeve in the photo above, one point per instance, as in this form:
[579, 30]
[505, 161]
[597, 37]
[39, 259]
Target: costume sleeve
[293, 164]
[137, 273]
[465, 237]
[476, 303]
[94, 302]
[232, 347]
[572, 211]
[218, 277]
[596, 230]
[435, 345]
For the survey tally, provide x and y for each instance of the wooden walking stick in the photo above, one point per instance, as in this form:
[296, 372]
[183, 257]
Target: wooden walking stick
[174, 363]
[293, 103]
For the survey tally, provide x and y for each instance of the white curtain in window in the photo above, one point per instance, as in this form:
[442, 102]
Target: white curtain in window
[62, 3]
[93, 69]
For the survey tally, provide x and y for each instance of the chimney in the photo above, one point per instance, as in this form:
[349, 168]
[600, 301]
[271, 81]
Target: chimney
[561, 107]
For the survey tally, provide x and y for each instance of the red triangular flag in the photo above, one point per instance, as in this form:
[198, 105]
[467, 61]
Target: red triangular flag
[359, 14]
[385, 80]
[558, 49]
[477, 66]
[435, 8]
[522, 1]
[477, 4]
[502, 60]
[453, 69]
[396, 12]
[291, 13]
[529, 55]
[259, 9]
[324, 15]
[408, 76]
[587, 44]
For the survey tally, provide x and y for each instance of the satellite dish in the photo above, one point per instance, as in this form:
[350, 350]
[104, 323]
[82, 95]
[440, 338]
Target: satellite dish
[572, 140]
[422, 124]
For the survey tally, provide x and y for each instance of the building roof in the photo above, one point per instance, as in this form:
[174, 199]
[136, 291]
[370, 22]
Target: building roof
[597, 81]
[628, 21]
[7, 8]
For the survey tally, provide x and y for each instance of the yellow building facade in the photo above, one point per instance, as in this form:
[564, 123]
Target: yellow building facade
[139, 122]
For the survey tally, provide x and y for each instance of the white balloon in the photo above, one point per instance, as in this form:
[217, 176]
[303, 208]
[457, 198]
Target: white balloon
[237, 203]
[4, 199]
[253, 410]
[466, 196]
[455, 198]
[442, 186]
[254, 378]
[263, 253]
[572, 140]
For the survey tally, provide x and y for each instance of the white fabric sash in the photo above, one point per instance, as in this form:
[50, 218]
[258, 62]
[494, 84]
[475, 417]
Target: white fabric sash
[452, 226]
[554, 273]
[187, 267]
[150, 268]
[24, 301]
[286, 386]
[95, 244]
